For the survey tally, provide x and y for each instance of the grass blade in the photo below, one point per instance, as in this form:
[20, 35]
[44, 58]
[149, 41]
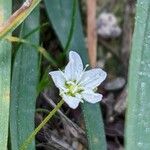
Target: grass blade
[138, 121]
[24, 84]
[5, 74]
[37, 47]
[60, 15]
[18, 17]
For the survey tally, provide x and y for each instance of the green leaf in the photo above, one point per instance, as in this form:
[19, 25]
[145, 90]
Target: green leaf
[17, 18]
[24, 84]
[138, 112]
[5, 74]
[44, 82]
[60, 15]
[39, 48]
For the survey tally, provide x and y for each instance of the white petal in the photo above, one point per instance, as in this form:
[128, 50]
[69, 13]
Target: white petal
[72, 102]
[58, 78]
[91, 97]
[75, 66]
[92, 78]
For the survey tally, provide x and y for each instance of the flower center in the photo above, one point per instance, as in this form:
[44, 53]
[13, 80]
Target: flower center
[73, 88]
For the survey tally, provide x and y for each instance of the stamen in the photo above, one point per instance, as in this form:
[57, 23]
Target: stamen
[80, 77]
[75, 89]
[81, 101]
[87, 65]
[70, 82]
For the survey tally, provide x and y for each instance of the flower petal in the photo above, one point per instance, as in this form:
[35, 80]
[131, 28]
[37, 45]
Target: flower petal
[72, 102]
[58, 79]
[75, 66]
[92, 78]
[91, 97]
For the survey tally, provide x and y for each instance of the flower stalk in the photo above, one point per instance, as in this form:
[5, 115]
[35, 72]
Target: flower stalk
[33, 134]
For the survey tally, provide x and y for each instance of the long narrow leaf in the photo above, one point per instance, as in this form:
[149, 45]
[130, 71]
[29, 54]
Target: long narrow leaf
[138, 113]
[24, 84]
[18, 17]
[37, 47]
[5, 74]
[60, 13]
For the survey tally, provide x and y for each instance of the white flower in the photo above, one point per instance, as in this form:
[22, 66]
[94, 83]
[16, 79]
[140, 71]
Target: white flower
[76, 84]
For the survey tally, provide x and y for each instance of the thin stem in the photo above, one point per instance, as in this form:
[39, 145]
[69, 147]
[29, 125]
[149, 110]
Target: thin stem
[33, 134]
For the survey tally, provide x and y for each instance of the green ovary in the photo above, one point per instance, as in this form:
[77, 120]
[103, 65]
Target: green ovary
[73, 88]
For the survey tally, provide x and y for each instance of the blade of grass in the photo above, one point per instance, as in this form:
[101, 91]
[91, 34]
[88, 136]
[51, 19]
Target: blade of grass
[24, 84]
[138, 112]
[18, 17]
[39, 28]
[44, 82]
[39, 48]
[5, 74]
[60, 14]
[72, 27]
